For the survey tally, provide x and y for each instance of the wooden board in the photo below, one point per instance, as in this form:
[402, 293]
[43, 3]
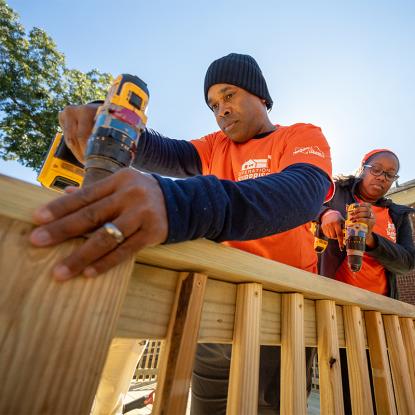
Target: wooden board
[331, 393]
[408, 336]
[176, 362]
[405, 400]
[360, 394]
[293, 376]
[381, 375]
[52, 333]
[244, 370]
[19, 199]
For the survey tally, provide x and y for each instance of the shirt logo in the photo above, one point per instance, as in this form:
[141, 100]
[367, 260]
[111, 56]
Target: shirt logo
[391, 231]
[253, 168]
[309, 150]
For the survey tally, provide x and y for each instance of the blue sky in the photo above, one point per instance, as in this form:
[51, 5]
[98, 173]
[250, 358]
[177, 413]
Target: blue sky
[348, 67]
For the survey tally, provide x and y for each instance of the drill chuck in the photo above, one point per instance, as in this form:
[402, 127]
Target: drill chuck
[118, 125]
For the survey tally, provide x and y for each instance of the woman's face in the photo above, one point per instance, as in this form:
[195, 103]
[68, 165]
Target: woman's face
[375, 185]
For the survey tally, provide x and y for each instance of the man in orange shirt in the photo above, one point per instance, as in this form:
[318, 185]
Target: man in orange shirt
[255, 184]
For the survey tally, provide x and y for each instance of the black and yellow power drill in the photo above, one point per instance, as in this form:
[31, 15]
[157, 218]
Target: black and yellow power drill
[354, 239]
[320, 240]
[119, 122]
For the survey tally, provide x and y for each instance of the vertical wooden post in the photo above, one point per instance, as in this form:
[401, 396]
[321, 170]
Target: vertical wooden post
[360, 393]
[293, 375]
[408, 335]
[51, 332]
[381, 375]
[177, 355]
[399, 365]
[244, 371]
[122, 359]
[331, 392]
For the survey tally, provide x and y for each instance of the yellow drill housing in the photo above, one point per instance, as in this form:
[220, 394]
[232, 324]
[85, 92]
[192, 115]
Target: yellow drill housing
[60, 168]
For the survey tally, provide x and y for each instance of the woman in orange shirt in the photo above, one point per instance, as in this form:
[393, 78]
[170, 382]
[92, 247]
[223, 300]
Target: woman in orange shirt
[389, 242]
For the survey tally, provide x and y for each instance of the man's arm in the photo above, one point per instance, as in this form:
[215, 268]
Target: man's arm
[155, 153]
[223, 210]
[168, 157]
[151, 210]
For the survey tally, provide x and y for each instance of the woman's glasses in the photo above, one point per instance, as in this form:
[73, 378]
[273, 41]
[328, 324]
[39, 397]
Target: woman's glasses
[377, 171]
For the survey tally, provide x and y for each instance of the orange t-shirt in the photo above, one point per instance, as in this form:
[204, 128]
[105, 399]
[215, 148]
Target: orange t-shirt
[299, 143]
[372, 275]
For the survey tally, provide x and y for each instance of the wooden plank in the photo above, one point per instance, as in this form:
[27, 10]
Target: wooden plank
[360, 393]
[340, 326]
[146, 310]
[399, 364]
[293, 375]
[381, 375]
[18, 200]
[408, 335]
[331, 392]
[271, 318]
[176, 364]
[310, 323]
[122, 359]
[147, 307]
[218, 314]
[244, 370]
[48, 329]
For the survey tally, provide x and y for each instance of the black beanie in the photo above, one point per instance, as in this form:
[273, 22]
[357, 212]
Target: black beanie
[239, 70]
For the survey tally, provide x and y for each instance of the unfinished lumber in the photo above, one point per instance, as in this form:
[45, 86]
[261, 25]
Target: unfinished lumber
[244, 369]
[19, 199]
[331, 392]
[52, 332]
[360, 393]
[176, 364]
[381, 375]
[399, 365]
[293, 373]
[408, 335]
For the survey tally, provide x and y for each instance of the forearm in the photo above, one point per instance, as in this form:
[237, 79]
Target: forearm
[224, 210]
[394, 257]
[165, 156]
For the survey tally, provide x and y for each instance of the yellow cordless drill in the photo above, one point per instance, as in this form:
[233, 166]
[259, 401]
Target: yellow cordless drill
[355, 240]
[320, 240]
[119, 122]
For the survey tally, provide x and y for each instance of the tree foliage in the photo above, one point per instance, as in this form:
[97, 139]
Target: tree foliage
[35, 85]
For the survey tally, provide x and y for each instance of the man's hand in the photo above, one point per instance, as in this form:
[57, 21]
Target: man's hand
[364, 214]
[132, 201]
[77, 122]
[332, 223]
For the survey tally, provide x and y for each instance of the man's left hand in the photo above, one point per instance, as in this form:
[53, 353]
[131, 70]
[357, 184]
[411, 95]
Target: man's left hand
[128, 199]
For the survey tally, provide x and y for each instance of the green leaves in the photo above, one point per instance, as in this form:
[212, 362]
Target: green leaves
[35, 85]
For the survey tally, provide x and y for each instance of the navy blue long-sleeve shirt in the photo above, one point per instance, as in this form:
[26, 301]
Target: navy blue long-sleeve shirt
[220, 210]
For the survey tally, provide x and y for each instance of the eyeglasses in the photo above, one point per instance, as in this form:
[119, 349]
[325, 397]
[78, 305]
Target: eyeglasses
[377, 171]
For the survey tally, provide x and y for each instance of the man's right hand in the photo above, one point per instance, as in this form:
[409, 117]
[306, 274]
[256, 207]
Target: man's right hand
[77, 122]
[332, 223]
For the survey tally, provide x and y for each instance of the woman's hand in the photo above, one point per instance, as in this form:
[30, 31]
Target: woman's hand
[364, 214]
[130, 200]
[332, 224]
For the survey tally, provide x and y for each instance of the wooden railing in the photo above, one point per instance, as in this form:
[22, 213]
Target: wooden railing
[54, 337]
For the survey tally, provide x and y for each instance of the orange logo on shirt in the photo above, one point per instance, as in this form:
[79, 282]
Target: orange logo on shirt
[309, 150]
[253, 168]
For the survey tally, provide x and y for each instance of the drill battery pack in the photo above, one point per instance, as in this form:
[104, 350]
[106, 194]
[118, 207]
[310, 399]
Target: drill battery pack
[60, 168]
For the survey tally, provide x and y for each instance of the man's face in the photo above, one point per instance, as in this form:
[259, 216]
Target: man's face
[239, 114]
